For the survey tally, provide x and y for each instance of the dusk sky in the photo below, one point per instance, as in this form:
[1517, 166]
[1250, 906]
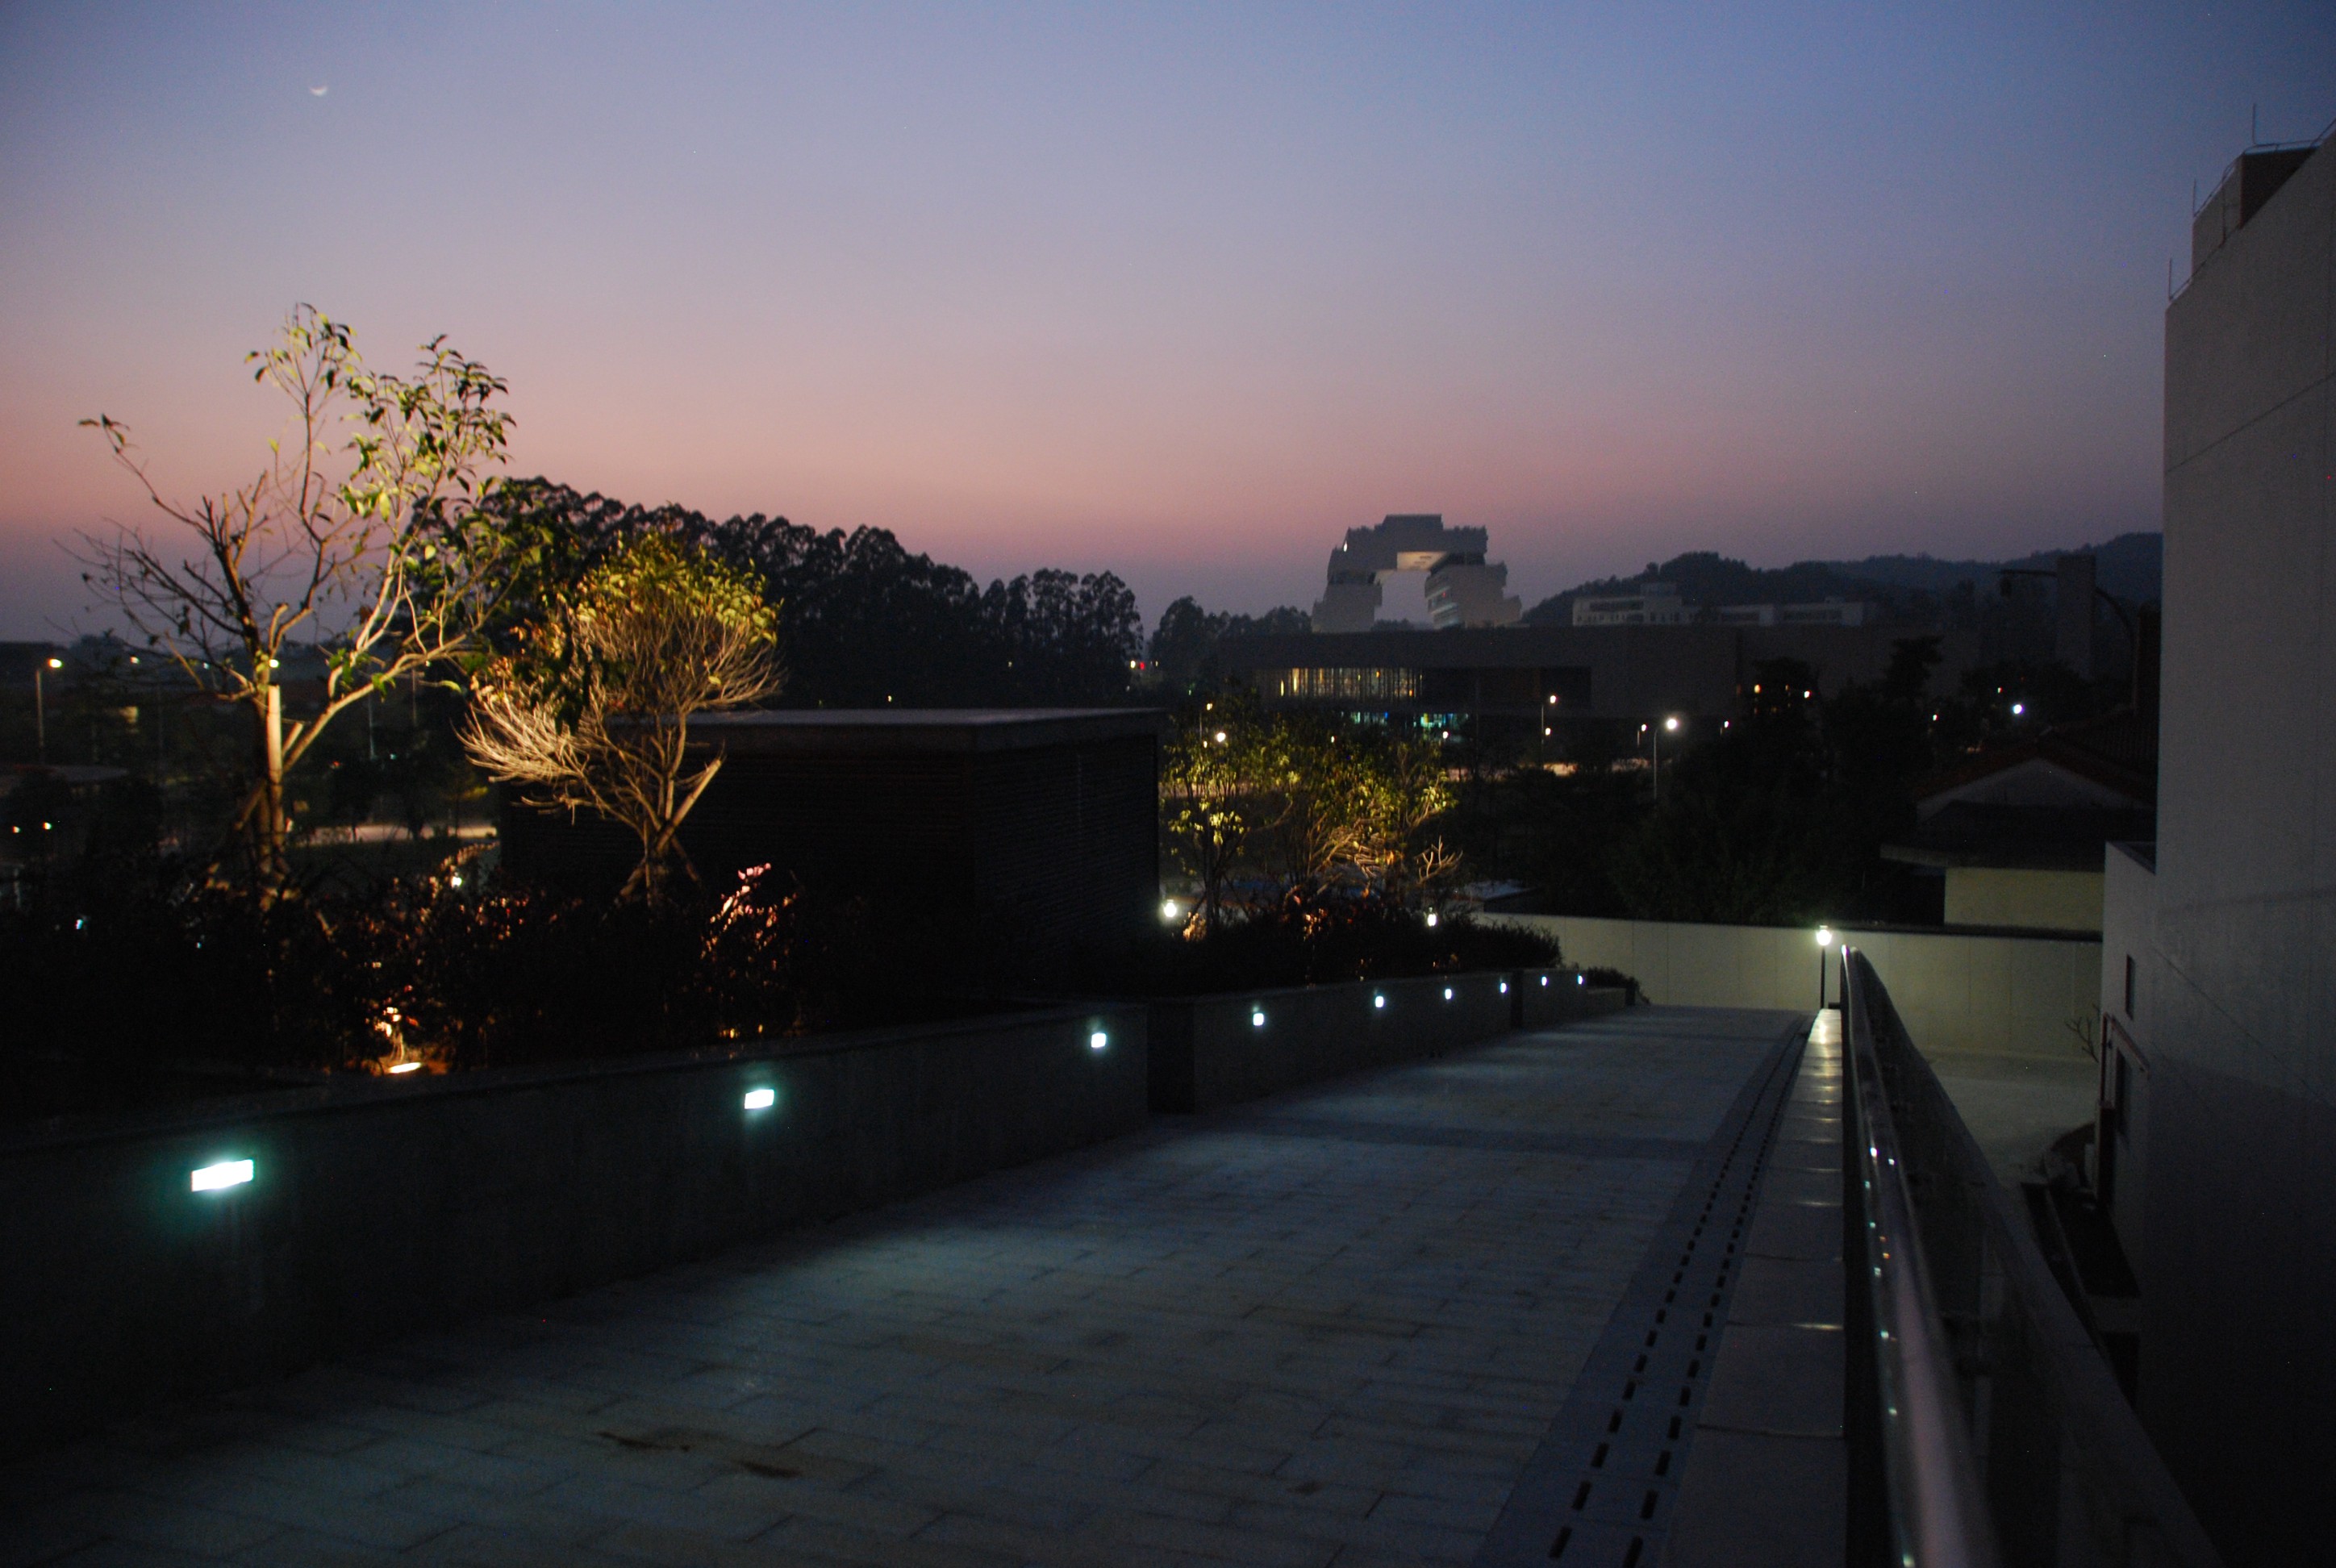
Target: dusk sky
[1180, 292]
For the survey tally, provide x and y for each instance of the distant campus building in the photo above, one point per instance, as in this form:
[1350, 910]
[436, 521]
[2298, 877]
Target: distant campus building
[1658, 604]
[1463, 589]
[1625, 656]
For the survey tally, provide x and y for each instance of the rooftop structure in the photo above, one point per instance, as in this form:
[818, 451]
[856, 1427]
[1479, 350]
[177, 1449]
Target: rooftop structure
[1035, 829]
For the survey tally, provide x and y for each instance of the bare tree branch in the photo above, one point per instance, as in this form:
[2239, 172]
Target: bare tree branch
[375, 548]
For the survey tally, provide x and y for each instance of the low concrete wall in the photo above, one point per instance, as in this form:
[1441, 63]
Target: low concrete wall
[1990, 993]
[1221, 1050]
[379, 1208]
[1212, 1051]
[1546, 998]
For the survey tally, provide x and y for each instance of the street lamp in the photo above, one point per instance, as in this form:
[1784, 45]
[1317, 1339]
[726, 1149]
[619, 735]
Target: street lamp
[39, 710]
[1825, 944]
[1671, 726]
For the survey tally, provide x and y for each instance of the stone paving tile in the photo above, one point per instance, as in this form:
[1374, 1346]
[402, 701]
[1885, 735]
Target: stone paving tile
[1326, 1331]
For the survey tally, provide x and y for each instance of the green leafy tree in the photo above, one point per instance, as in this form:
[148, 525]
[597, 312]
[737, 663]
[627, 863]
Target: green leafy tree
[868, 624]
[593, 710]
[364, 533]
[1208, 785]
[1295, 804]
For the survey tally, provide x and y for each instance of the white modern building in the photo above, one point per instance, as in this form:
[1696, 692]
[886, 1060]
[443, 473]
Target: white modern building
[2217, 1153]
[1462, 588]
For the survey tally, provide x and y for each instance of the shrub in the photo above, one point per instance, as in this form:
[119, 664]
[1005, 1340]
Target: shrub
[1317, 935]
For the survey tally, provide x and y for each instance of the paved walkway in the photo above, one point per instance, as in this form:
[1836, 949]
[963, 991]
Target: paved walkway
[1331, 1329]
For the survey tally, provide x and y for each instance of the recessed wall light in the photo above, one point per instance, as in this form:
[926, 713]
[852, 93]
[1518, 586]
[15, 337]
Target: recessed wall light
[226, 1173]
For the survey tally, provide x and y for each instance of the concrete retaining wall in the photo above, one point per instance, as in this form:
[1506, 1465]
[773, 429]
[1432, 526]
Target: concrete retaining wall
[379, 1208]
[1546, 998]
[1992, 994]
[1221, 1050]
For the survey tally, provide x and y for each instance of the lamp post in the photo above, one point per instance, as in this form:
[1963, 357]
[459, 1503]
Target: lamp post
[1670, 725]
[1825, 945]
[39, 710]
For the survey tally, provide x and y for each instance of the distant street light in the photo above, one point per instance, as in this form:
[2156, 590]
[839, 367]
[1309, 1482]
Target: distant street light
[1670, 725]
[1824, 942]
[39, 710]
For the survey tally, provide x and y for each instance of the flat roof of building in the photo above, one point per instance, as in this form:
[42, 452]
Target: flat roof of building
[864, 730]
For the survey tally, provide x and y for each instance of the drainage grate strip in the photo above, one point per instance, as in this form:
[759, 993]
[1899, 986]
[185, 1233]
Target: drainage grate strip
[1599, 1492]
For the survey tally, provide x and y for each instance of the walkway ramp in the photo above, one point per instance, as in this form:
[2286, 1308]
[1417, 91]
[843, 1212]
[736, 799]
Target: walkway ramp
[1346, 1326]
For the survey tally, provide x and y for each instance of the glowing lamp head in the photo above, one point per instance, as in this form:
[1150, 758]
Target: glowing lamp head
[404, 1066]
[1169, 911]
[1825, 936]
[1447, 993]
[1505, 988]
[1671, 724]
[1257, 1017]
[761, 1100]
[1099, 1040]
[219, 1177]
[56, 664]
[1378, 999]
[1431, 917]
[2019, 709]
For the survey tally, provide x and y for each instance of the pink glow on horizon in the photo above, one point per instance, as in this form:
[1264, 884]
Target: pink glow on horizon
[1180, 298]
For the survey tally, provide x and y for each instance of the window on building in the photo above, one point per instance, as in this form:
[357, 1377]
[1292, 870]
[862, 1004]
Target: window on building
[1346, 685]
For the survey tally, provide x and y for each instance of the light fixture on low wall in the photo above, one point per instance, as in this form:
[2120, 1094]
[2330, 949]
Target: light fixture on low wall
[226, 1173]
[761, 1100]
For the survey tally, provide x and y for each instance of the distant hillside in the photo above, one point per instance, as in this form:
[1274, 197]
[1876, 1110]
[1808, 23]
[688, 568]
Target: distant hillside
[2129, 567]
[1705, 577]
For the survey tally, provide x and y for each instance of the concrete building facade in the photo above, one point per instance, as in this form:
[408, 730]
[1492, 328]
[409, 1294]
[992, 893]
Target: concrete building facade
[2219, 950]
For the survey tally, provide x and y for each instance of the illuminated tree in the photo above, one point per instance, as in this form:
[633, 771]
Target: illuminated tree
[1297, 804]
[593, 711]
[363, 534]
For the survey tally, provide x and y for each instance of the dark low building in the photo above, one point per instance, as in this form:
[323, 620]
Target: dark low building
[2018, 832]
[1036, 831]
[1519, 674]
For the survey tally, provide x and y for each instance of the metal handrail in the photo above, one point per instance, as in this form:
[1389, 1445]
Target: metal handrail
[1934, 1498]
[2004, 1438]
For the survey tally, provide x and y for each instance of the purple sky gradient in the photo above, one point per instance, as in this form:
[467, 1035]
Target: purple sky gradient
[1182, 293]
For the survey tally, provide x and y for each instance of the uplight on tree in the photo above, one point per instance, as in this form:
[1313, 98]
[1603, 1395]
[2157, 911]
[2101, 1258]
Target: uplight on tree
[593, 712]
